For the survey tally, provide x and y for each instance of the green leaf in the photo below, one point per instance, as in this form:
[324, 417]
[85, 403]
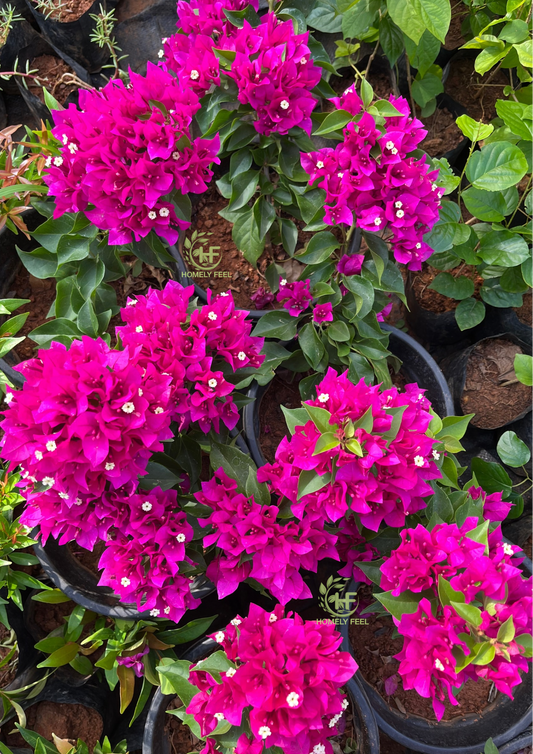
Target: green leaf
[87, 320]
[447, 594]
[62, 330]
[523, 367]
[490, 747]
[525, 641]
[503, 248]
[455, 426]
[40, 263]
[311, 345]
[320, 417]
[512, 450]
[325, 442]
[469, 613]
[51, 596]
[493, 294]
[310, 203]
[391, 39]
[489, 206]
[323, 17]
[427, 87]
[82, 665]
[491, 476]
[469, 313]
[485, 654]
[372, 570]
[182, 635]
[51, 231]
[319, 248]
[240, 162]
[525, 55]
[289, 235]
[159, 476]
[295, 417]
[338, 331]
[506, 632]
[245, 234]
[50, 644]
[61, 656]
[258, 491]
[278, 324]
[405, 604]
[235, 463]
[473, 129]
[513, 115]
[415, 16]
[310, 481]
[498, 165]
[174, 677]
[457, 288]
[264, 214]
[335, 121]
[243, 188]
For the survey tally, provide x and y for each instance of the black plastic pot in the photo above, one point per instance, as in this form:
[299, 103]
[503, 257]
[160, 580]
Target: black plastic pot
[454, 368]
[434, 329]
[139, 35]
[156, 742]
[504, 720]
[418, 366]
[28, 656]
[182, 274]
[73, 38]
[506, 320]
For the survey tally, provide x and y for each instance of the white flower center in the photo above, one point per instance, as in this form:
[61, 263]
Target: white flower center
[58, 161]
[78, 501]
[292, 699]
[435, 454]
[64, 139]
[128, 407]
[323, 397]
[212, 383]
[284, 104]
[398, 205]
[218, 716]
[164, 212]
[377, 221]
[508, 549]
[133, 302]
[158, 410]
[320, 164]
[390, 145]
[319, 749]
[152, 215]
[160, 53]
[147, 506]
[400, 213]
[303, 61]
[109, 466]
[236, 622]
[272, 618]
[230, 672]
[438, 664]
[166, 610]
[394, 150]
[212, 316]
[154, 612]
[194, 75]
[9, 396]
[264, 732]
[219, 637]
[38, 455]
[418, 246]
[419, 461]
[125, 581]
[49, 481]
[175, 155]
[139, 328]
[180, 537]
[72, 148]
[51, 446]
[241, 356]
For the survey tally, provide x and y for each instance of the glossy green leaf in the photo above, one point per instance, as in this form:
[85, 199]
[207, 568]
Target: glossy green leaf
[523, 367]
[454, 287]
[512, 450]
[469, 313]
[497, 166]
[489, 206]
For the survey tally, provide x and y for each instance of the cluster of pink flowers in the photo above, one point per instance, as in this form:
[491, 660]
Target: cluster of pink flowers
[125, 153]
[142, 558]
[392, 192]
[83, 429]
[272, 65]
[185, 345]
[254, 544]
[488, 580]
[295, 297]
[285, 677]
[390, 478]
[494, 508]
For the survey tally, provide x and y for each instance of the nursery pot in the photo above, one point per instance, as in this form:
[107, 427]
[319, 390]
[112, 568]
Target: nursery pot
[156, 741]
[73, 37]
[436, 329]
[506, 321]
[503, 720]
[181, 271]
[455, 369]
[418, 366]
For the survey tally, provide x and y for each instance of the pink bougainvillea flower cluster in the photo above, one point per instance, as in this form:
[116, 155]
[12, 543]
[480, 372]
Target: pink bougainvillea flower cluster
[391, 192]
[272, 65]
[295, 297]
[494, 508]
[124, 154]
[485, 577]
[254, 544]
[284, 677]
[142, 558]
[186, 345]
[382, 476]
[83, 429]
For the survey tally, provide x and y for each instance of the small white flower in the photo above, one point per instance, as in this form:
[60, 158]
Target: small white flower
[128, 407]
[418, 246]
[51, 446]
[109, 466]
[303, 61]
[284, 104]
[9, 396]
[323, 397]
[212, 316]
[72, 148]
[508, 549]
[152, 215]
[160, 53]
[293, 698]
[434, 187]
[63, 495]
[64, 139]
[438, 664]
[219, 637]
[377, 221]
[236, 622]
[139, 328]
[133, 302]
[319, 749]
[435, 454]
[155, 612]
[225, 293]
[264, 732]
[49, 481]
[140, 392]
[339, 175]
[212, 383]
[419, 461]
[48, 162]
[32, 479]
[345, 703]
[241, 356]
[78, 501]
[167, 610]
[218, 716]
[394, 150]
[400, 213]
[164, 212]
[180, 537]
[390, 145]
[147, 506]
[398, 205]
[125, 581]
[272, 618]
[58, 161]
[194, 75]
[164, 40]
[320, 164]
[159, 410]
[230, 672]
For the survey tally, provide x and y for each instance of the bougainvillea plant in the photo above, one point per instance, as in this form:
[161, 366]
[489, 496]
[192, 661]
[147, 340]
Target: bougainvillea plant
[463, 606]
[274, 687]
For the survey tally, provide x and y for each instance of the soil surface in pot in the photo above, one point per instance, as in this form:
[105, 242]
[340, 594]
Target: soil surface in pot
[443, 134]
[471, 90]
[525, 312]
[273, 427]
[70, 721]
[54, 74]
[432, 300]
[454, 37]
[485, 393]
[67, 10]
[49, 616]
[233, 272]
[9, 671]
[88, 558]
[375, 657]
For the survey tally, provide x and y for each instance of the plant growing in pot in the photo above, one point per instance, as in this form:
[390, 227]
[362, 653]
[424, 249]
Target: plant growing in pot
[460, 603]
[41, 745]
[274, 686]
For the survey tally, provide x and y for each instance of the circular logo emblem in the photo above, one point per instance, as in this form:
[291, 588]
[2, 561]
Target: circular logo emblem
[199, 254]
[334, 600]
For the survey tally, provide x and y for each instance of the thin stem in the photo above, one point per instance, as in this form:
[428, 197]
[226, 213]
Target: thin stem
[409, 85]
[520, 202]
[487, 82]
[371, 58]
[472, 146]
